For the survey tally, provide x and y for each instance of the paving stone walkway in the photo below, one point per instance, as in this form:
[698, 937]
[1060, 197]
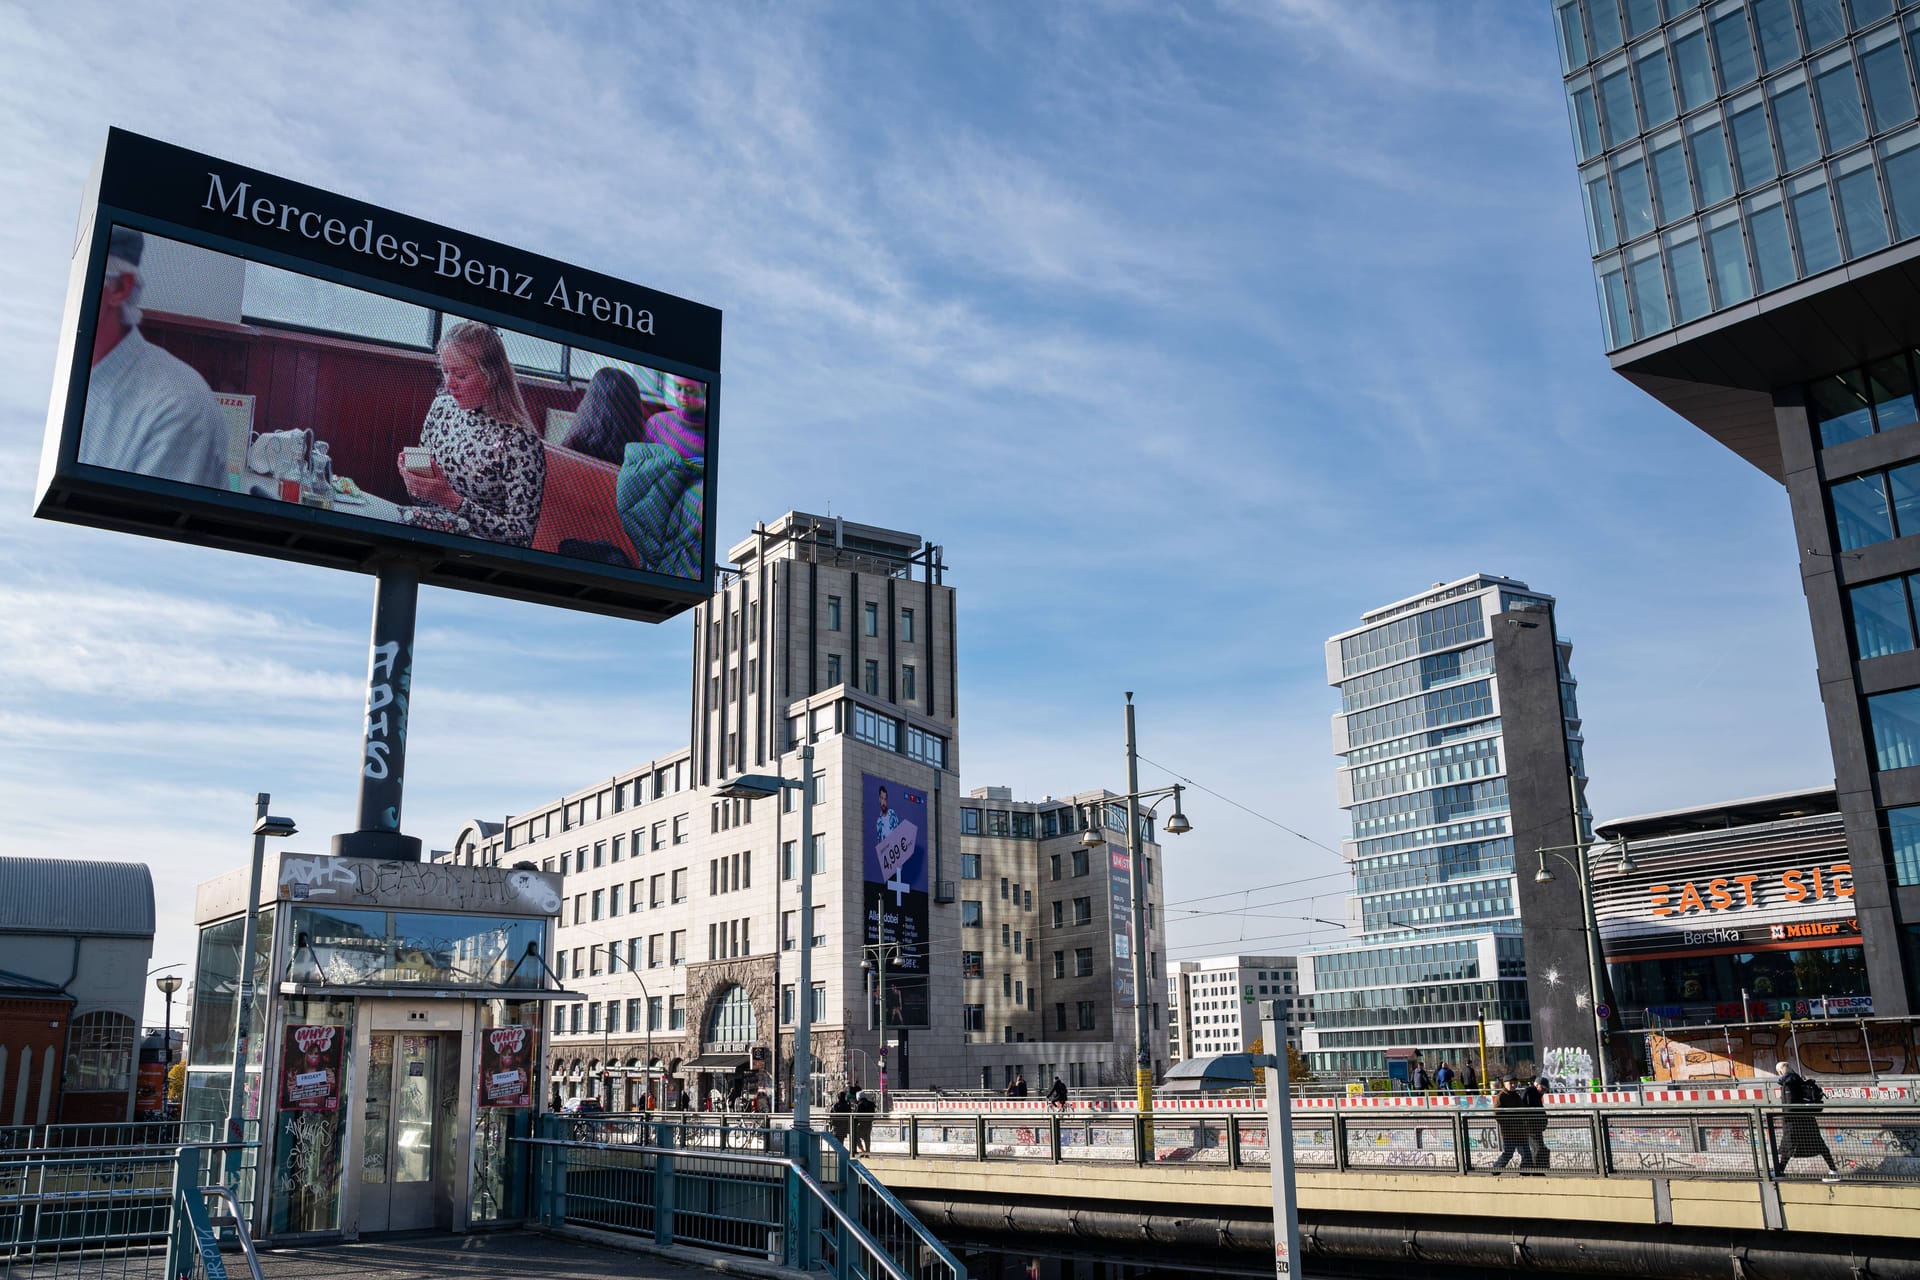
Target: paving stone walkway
[492, 1254]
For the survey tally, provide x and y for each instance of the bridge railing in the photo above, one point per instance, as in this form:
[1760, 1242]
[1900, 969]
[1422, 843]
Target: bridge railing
[732, 1185]
[1868, 1144]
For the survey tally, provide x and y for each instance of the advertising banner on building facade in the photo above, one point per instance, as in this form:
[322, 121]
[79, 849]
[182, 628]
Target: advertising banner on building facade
[310, 1068]
[896, 841]
[1120, 877]
[320, 379]
[507, 1055]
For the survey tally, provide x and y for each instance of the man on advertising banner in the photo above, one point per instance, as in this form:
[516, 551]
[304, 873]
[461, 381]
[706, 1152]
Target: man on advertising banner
[896, 893]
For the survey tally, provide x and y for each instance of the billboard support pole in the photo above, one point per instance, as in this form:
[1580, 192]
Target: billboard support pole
[383, 746]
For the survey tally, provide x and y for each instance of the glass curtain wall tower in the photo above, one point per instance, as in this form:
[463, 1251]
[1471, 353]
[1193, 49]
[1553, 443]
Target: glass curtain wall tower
[1428, 775]
[1751, 176]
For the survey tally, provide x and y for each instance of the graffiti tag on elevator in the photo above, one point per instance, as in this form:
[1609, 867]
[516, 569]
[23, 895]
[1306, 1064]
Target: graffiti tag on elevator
[424, 885]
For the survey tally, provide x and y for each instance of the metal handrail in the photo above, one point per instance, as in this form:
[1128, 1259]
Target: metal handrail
[859, 1233]
[246, 1236]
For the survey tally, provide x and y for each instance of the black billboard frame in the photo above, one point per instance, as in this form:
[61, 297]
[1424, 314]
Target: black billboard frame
[76, 493]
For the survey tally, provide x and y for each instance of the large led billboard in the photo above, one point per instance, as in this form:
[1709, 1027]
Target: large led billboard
[895, 820]
[258, 365]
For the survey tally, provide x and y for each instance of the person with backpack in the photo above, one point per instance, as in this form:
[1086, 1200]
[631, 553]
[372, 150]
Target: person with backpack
[1800, 1127]
[1444, 1077]
[1422, 1082]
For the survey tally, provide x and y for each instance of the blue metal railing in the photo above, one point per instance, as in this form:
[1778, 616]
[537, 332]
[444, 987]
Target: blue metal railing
[739, 1187]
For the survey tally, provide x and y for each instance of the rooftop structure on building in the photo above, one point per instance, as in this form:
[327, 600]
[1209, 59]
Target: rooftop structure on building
[1751, 178]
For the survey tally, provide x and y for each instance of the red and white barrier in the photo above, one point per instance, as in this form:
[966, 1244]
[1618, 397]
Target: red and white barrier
[1094, 1108]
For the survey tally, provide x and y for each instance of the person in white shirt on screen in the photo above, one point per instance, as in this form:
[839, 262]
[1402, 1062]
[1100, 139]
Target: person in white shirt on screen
[147, 411]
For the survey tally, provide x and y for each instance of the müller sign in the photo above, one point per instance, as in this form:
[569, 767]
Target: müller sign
[443, 258]
[1794, 886]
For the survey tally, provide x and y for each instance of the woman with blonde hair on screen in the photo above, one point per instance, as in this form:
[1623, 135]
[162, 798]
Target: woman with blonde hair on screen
[481, 465]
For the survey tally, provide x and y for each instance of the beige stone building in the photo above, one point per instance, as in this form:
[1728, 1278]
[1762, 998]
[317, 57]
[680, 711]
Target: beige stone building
[680, 929]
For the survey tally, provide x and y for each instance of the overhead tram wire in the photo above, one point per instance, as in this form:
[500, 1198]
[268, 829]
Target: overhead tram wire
[1197, 786]
[1261, 888]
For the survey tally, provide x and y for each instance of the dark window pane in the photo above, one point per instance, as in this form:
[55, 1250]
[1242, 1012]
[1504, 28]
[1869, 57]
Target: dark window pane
[1636, 201]
[1839, 408]
[1773, 22]
[1732, 50]
[1903, 190]
[1613, 305]
[1881, 622]
[1696, 74]
[1604, 28]
[1616, 101]
[1896, 728]
[1650, 315]
[1772, 253]
[1860, 212]
[1600, 222]
[1840, 112]
[1731, 282]
[1867, 12]
[1889, 93]
[1573, 40]
[1824, 21]
[1656, 88]
[1710, 170]
[1813, 220]
[1586, 122]
[1891, 390]
[1903, 483]
[1860, 512]
[1752, 148]
[1903, 832]
[1793, 119]
[1642, 16]
[1670, 181]
[1690, 300]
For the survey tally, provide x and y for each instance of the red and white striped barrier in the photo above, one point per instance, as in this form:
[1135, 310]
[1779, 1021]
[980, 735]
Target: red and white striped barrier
[1749, 1094]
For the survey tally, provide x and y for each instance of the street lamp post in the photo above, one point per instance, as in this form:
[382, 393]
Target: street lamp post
[760, 786]
[168, 984]
[263, 826]
[875, 959]
[1177, 824]
[614, 958]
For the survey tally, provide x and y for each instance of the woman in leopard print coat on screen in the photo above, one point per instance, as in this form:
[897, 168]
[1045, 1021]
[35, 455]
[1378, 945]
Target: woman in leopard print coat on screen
[489, 466]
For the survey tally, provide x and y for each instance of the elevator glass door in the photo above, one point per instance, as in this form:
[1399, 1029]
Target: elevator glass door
[406, 1168]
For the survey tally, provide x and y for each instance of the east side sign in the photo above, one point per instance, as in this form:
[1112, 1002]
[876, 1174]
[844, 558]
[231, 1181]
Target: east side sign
[1793, 887]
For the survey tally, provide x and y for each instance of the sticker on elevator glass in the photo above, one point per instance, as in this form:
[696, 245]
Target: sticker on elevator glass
[506, 1075]
[310, 1069]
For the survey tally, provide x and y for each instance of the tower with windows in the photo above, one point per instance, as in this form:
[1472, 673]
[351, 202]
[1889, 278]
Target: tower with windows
[1751, 175]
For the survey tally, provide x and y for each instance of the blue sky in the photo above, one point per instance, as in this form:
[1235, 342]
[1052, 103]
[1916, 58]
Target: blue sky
[1191, 331]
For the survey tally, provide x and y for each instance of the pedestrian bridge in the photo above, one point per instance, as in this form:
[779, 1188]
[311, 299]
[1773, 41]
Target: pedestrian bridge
[1675, 1189]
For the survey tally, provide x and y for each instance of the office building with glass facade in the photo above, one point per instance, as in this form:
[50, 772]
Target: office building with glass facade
[1460, 743]
[1751, 172]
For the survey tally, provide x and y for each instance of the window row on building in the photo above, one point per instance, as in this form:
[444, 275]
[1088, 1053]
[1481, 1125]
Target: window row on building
[1810, 224]
[1452, 705]
[1390, 684]
[1432, 866]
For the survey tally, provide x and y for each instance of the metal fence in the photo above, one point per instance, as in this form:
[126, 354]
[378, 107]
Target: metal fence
[736, 1187]
[1868, 1144]
[95, 1203]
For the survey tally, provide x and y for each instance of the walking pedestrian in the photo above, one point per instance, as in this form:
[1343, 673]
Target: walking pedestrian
[1444, 1077]
[863, 1125]
[1535, 1109]
[840, 1115]
[1511, 1119]
[1800, 1127]
[1469, 1079]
